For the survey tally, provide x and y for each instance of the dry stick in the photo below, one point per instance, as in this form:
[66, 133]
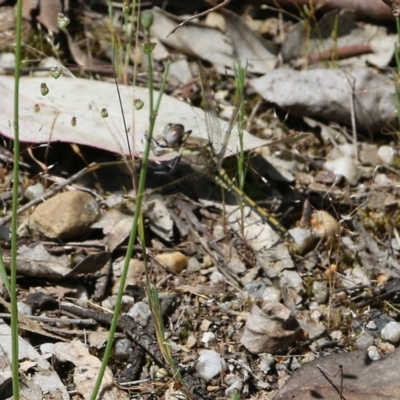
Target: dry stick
[55, 320]
[352, 93]
[224, 3]
[51, 192]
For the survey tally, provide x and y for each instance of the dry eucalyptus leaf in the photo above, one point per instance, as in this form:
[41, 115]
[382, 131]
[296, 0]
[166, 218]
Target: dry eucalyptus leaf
[43, 380]
[195, 39]
[250, 47]
[82, 100]
[331, 94]
[86, 371]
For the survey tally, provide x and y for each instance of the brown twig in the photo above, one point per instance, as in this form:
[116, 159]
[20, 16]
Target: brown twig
[224, 3]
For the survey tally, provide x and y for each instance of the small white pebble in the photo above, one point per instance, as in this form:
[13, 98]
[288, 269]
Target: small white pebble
[191, 341]
[373, 353]
[24, 308]
[140, 312]
[205, 324]
[320, 291]
[371, 325]
[7, 60]
[34, 191]
[346, 167]
[219, 232]
[82, 296]
[387, 154]
[303, 237]
[210, 364]
[216, 278]
[315, 315]
[391, 332]
[208, 337]
[336, 335]
[271, 293]
[193, 265]
[47, 349]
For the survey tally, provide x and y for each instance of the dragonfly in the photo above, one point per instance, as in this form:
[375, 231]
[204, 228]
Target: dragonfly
[204, 156]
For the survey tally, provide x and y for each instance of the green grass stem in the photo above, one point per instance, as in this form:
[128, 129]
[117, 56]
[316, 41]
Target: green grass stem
[137, 215]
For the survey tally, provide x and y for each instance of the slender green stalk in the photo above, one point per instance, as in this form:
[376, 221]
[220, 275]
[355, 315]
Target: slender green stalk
[151, 291]
[397, 58]
[14, 221]
[240, 77]
[137, 215]
[129, 46]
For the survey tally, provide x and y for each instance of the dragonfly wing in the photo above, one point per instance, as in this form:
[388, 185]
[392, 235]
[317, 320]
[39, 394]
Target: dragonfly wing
[214, 131]
[231, 123]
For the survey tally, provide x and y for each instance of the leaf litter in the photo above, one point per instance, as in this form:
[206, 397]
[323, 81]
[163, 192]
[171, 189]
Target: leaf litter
[222, 275]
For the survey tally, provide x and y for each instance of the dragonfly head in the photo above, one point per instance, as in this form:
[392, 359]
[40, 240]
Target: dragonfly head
[175, 135]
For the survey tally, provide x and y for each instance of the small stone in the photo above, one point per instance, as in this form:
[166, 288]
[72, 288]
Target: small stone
[122, 348]
[205, 324]
[271, 293]
[373, 353]
[47, 350]
[315, 315]
[364, 341]
[207, 261]
[34, 191]
[255, 289]
[176, 261]
[323, 224]
[191, 341]
[141, 313]
[391, 332]
[193, 265]
[387, 154]
[210, 364]
[216, 20]
[304, 238]
[82, 296]
[162, 373]
[24, 308]
[175, 348]
[320, 291]
[371, 325]
[267, 362]
[216, 278]
[344, 166]
[65, 216]
[336, 335]
[208, 337]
